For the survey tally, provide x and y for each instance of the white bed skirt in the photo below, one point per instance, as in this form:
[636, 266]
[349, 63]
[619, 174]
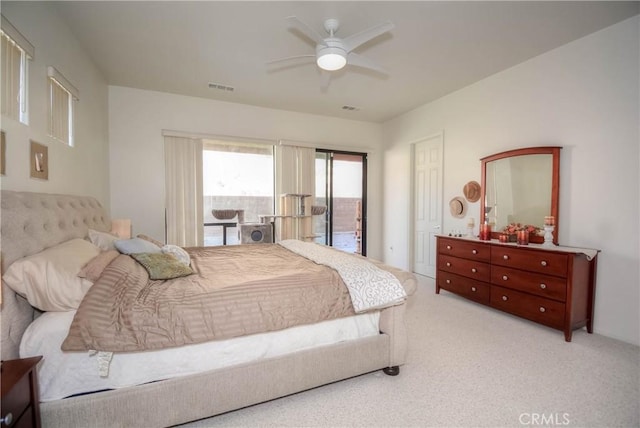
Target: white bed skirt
[62, 374]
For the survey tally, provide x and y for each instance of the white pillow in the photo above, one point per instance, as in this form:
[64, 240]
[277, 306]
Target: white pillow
[104, 241]
[178, 252]
[49, 280]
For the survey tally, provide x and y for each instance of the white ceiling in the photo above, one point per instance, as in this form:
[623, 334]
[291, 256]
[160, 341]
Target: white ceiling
[435, 48]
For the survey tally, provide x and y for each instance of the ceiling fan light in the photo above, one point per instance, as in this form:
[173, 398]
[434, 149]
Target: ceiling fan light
[331, 59]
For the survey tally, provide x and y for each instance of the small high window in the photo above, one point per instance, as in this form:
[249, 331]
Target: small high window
[62, 96]
[16, 53]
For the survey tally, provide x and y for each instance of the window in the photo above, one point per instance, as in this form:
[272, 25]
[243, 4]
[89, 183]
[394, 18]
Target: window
[236, 176]
[62, 95]
[16, 53]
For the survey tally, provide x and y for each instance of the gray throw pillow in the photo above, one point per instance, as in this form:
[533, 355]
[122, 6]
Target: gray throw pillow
[135, 245]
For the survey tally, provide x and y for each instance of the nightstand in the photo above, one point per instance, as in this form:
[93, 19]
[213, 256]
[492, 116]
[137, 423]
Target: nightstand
[20, 400]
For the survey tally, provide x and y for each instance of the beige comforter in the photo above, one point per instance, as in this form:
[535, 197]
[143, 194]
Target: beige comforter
[235, 291]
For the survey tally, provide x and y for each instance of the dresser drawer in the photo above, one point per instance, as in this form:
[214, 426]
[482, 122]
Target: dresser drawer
[469, 268]
[17, 400]
[466, 249]
[545, 286]
[26, 421]
[538, 309]
[545, 262]
[467, 287]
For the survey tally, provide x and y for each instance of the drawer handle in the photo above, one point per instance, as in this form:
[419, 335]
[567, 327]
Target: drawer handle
[505, 277]
[473, 289]
[474, 270]
[542, 309]
[543, 286]
[506, 257]
[448, 264]
[7, 419]
[448, 247]
[448, 281]
[543, 263]
[474, 251]
[505, 298]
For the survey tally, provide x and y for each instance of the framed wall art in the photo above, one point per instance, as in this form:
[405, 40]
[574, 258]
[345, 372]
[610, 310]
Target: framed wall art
[39, 161]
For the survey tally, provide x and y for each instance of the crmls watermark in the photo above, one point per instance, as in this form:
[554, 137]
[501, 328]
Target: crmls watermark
[544, 419]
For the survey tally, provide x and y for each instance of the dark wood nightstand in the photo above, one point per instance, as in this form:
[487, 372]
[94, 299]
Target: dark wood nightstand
[20, 399]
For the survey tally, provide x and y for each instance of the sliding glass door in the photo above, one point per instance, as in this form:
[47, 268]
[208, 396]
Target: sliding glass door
[341, 185]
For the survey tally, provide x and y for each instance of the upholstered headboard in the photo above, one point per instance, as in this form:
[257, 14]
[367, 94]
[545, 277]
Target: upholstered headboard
[32, 222]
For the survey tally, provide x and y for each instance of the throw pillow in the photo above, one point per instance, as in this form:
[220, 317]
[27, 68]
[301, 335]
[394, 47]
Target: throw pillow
[94, 268]
[135, 245]
[102, 240]
[178, 252]
[162, 265]
[150, 239]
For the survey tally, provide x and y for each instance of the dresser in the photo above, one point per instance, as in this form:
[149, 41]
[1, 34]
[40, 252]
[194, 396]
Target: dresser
[20, 400]
[551, 286]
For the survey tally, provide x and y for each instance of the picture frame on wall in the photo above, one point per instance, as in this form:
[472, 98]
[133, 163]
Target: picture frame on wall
[39, 161]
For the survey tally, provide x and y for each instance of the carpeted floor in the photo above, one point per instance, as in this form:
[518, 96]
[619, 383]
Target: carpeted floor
[471, 366]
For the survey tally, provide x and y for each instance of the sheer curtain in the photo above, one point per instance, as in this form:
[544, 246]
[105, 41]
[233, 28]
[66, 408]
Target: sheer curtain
[295, 169]
[183, 191]
[295, 173]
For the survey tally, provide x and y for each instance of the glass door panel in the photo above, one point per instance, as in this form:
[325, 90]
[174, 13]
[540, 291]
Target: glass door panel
[341, 185]
[321, 222]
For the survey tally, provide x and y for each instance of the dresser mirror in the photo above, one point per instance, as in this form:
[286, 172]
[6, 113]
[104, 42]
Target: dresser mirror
[521, 186]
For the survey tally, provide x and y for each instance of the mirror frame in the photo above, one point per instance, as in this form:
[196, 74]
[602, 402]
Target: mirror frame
[555, 184]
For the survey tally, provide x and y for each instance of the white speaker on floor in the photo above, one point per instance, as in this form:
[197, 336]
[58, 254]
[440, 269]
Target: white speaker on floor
[256, 233]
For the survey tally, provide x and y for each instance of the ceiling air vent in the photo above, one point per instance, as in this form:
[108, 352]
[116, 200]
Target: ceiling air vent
[221, 87]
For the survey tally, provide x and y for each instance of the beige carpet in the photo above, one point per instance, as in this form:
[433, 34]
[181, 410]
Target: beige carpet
[471, 366]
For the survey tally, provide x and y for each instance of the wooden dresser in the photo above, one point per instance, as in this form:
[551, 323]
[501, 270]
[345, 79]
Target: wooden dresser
[551, 286]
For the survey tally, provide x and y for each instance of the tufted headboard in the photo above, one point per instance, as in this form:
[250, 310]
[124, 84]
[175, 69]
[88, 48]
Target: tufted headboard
[30, 223]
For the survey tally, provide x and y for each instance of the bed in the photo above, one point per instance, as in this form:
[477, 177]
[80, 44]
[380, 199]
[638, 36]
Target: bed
[33, 222]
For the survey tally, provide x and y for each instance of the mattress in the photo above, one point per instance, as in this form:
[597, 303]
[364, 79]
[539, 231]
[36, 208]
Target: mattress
[63, 374]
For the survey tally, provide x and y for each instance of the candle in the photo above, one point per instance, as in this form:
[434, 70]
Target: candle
[485, 232]
[471, 222]
[503, 237]
[522, 237]
[549, 220]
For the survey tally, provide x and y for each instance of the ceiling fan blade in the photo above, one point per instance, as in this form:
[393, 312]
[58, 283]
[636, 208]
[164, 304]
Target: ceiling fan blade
[293, 59]
[364, 62]
[355, 40]
[309, 32]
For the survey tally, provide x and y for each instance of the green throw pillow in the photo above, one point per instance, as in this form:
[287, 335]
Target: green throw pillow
[162, 266]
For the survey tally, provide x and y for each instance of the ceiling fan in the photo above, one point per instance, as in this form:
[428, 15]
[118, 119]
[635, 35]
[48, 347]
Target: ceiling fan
[334, 53]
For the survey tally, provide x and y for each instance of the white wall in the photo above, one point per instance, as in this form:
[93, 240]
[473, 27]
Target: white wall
[137, 119]
[582, 96]
[82, 169]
